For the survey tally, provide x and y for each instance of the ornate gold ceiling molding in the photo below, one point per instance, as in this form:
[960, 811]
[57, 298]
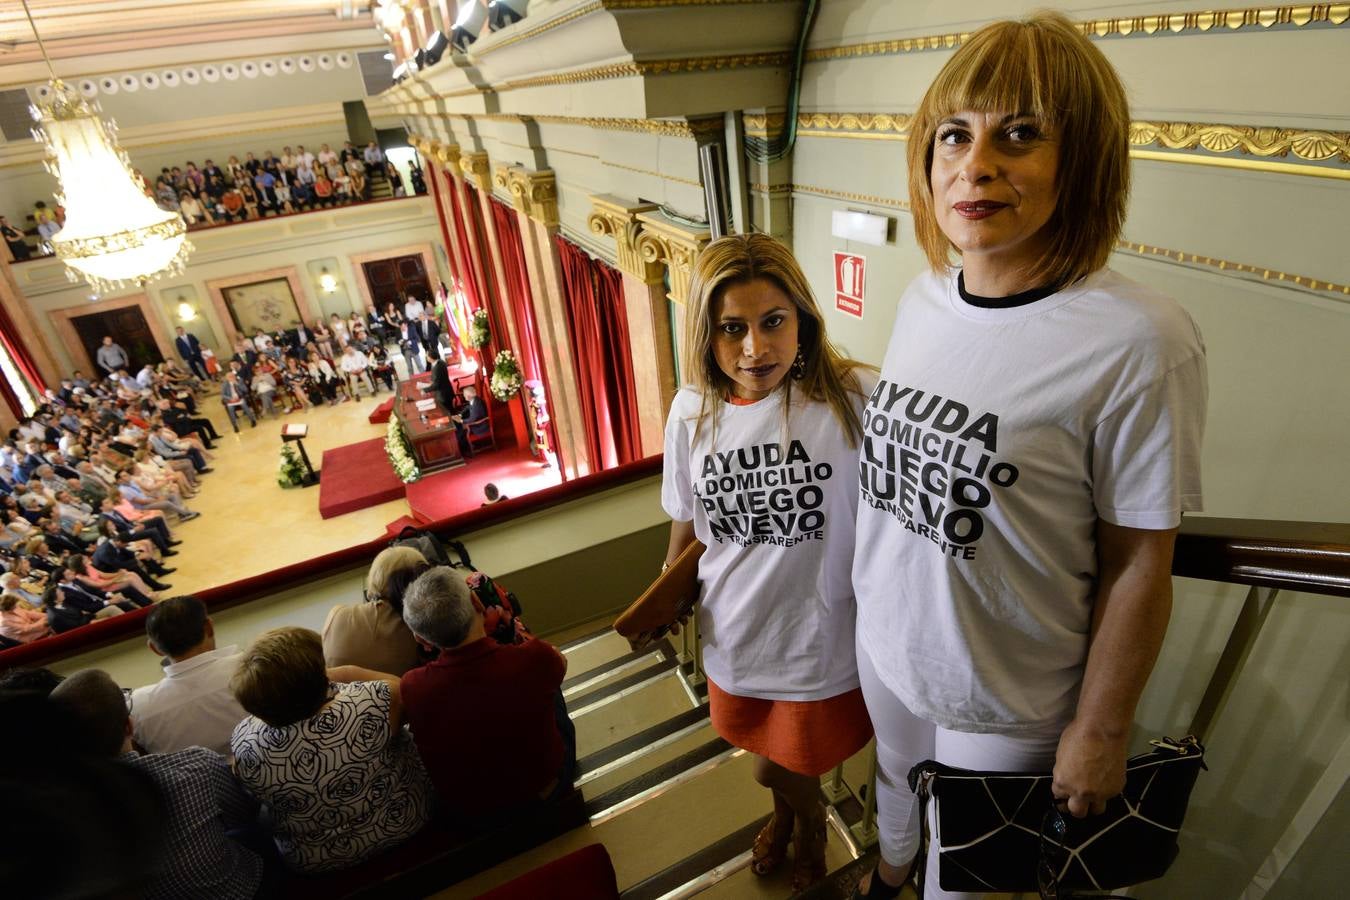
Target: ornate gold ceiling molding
[831, 194]
[1315, 146]
[617, 218]
[1205, 143]
[663, 242]
[681, 128]
[644, 68]
[1203, 21]
[889, 126]
[1223, 265]
[609, 5]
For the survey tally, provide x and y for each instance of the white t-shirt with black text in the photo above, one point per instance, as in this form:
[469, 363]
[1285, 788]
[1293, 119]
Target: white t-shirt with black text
[774, 500]
[995, 438]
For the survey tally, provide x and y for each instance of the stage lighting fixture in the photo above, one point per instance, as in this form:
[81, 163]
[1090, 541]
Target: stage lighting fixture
[472, 16]
[505, 12]
[435, 48]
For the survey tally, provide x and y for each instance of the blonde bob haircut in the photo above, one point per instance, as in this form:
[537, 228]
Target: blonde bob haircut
[388, 563]
[1045, 68]
[282, 677]
[825, 375]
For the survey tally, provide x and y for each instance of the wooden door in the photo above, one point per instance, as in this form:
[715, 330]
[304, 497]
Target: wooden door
[390, 280]
[127, 327]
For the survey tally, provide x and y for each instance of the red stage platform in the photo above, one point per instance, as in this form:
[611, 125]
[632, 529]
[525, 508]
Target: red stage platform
[359, 475]
[356, 476]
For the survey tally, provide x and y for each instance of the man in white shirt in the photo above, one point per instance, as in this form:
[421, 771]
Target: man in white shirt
[372, 154]
[326, 156]
[354, 364]
[191, 706]
[413, 309]
[303, 157]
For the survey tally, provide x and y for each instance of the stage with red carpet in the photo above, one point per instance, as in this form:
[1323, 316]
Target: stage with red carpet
[513, 471]
[359, 475]
[356, 476]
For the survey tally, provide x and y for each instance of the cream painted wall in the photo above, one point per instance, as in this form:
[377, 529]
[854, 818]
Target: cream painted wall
[307, 241]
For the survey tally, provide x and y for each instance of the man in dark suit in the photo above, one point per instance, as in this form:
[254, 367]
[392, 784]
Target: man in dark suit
[190, 349]
[300, 338]
[411, 346]
[112, 555]
[246, 358]
[153, 529]
[429, 333]
[183, 423]
[471, 418]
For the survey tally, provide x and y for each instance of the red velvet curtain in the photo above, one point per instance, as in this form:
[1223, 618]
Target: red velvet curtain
[23, 361]
[601, 354]
[469, 279]
[520, 300]
[518, 296]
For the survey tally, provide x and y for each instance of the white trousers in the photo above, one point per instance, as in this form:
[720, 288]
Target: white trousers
[904, 740]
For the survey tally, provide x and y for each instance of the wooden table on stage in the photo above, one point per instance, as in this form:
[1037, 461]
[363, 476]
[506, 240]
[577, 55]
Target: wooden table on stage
[434, 443]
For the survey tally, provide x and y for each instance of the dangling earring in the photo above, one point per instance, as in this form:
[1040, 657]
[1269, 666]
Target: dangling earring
[798, 370]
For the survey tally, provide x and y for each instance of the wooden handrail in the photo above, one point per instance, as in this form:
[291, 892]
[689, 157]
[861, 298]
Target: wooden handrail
[1299, 556]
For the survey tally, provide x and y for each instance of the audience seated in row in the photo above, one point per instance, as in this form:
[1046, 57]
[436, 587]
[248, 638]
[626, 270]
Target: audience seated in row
[88, 485]
[348, 760]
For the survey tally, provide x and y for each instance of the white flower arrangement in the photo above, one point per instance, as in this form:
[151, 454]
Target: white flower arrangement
[480, 332]
[506, 378]
[401, 453]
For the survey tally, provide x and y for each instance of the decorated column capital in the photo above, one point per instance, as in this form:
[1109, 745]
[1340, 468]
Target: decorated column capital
[534, 193]
[616, 217]
[475, 166]
[663, 241]
[448, 156]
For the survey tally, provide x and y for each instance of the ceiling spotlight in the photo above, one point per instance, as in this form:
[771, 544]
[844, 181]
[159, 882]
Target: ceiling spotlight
[435, 47]
[472, 16]
[505, 12]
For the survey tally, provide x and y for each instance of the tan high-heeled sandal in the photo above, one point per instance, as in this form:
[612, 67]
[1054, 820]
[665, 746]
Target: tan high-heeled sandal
[771, 846]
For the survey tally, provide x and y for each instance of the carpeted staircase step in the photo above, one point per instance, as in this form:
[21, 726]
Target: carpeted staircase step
[839, 884]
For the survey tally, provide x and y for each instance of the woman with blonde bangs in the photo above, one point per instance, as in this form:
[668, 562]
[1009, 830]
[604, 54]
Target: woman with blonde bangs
[760, 454]
[1030, 448]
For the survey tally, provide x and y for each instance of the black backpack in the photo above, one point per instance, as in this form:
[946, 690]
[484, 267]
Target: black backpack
[501, 607]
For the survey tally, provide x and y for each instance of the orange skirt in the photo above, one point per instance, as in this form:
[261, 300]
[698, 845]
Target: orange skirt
[809, 737]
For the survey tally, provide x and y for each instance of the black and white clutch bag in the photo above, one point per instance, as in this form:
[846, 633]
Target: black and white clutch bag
[1000, 831]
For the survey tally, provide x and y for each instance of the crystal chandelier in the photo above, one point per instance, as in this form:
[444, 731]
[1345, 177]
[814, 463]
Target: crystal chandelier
[114, 234]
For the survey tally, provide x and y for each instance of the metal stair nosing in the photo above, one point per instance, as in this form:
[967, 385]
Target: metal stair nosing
[645, 742]
[622, 687]
[573, 686]
[700, 870]
[652, 784]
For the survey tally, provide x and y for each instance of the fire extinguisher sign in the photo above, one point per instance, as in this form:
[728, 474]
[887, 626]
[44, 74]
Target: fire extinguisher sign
[848, 283]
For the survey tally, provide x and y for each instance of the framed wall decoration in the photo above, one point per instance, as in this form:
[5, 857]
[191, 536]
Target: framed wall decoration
[269, 305]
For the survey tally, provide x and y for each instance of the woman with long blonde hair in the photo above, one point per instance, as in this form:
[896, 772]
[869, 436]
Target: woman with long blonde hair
[760, 454]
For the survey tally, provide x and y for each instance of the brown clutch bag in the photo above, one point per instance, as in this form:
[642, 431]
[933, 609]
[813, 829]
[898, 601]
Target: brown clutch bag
[671, 596]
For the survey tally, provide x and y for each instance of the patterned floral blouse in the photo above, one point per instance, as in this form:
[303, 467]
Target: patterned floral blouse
[340, 789]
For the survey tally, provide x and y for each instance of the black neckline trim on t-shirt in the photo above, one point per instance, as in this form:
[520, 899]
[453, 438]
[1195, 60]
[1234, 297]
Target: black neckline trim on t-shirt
[1007, 302]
